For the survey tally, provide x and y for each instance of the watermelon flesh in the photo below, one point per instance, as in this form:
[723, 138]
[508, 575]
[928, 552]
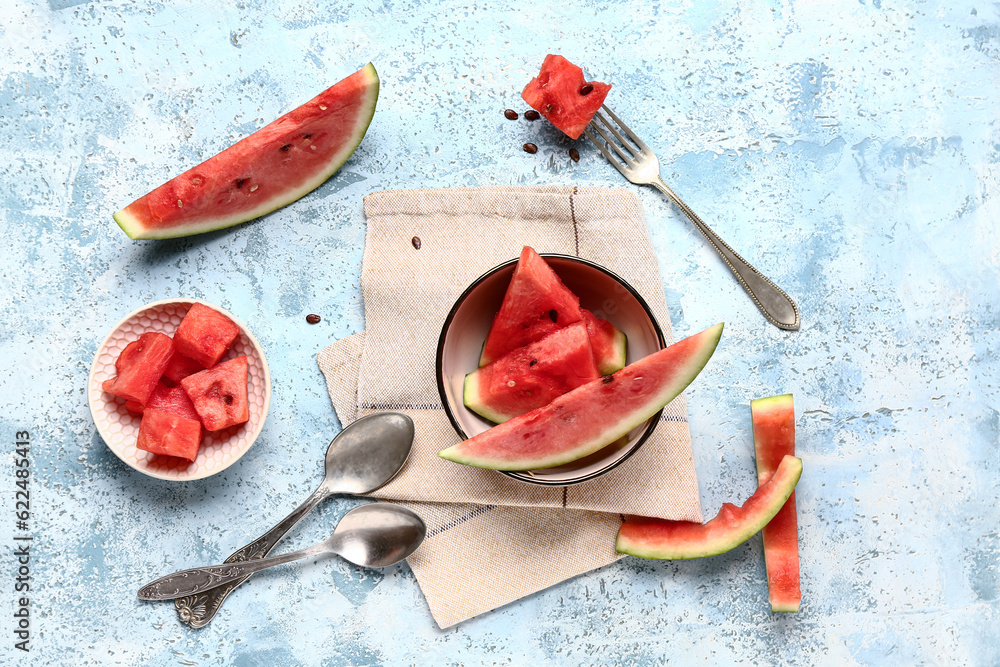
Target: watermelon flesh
[272, 167]
[773, 439]
[179, 366]
[169, 434]
[219, 394]
[173, 400]
[609, 344]
[536, 304]
[591, 416]
[204, 335]
[558, 93]
[532, 376]
[681, 540]
[140, 366]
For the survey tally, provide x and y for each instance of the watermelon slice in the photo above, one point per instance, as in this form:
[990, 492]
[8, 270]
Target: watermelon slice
[561, 94]
[592, 416]
[680, 540]
[140, 366]
[169, 434]
[272, 167]
[204, 335]
[219, 394]
[609, 344]
[536, 304]
[531, 376]
[773, 439]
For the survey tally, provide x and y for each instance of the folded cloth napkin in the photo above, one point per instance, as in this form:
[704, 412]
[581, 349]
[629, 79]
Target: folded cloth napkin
[492, 539]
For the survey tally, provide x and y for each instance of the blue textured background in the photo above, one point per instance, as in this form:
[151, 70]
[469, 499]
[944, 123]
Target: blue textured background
[849, 149]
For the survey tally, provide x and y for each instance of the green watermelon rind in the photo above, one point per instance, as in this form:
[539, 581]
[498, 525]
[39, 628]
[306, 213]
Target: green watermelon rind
[473, 400]
[137, 230]
[609, 364]
[709, 340]
[775, 493]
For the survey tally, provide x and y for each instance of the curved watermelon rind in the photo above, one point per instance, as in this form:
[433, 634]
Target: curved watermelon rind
[473, 400]
[609, 364]
[467, 454]
[134, 227]
[717, 539]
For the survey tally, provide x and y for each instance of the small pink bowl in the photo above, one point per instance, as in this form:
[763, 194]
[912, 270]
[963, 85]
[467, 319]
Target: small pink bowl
[119, 428]
[601, 291]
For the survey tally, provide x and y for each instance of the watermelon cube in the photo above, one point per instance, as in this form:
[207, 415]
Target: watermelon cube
[169, 434]
[204, 335]
[140, 366]
[563, 96]
[219, 394]
[179, 367]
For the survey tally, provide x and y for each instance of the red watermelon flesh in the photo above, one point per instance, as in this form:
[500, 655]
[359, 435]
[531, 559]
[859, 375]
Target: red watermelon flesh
[204, 335]
[179, 367]
[142, 367]
[681, 540]
[558, 93]
[169, 434]
[591, 416]
[173, 400]
[532, 376]
[219, 394]
[773, 439]
[134, 407]
[536, 304]
[272, 167]
[609, 344]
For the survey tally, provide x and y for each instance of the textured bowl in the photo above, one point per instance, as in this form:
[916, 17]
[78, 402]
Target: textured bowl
[119, 428]
[466, 326]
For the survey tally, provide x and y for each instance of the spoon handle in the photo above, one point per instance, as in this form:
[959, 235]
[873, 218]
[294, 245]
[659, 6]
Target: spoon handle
[198, 610]
[198, 579]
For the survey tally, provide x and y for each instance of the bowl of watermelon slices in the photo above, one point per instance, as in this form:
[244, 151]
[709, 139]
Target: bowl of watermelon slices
[531, 330]
[179, 389]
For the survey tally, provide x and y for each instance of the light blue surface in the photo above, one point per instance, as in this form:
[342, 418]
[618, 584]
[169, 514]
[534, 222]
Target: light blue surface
[850, 150]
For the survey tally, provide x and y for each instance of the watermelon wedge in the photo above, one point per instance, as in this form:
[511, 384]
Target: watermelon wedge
[773, 439]
[681, 540]
[274, 166]
[536, 304]
[532, 376]
[563, 96]
[591, 416]
[609, 344]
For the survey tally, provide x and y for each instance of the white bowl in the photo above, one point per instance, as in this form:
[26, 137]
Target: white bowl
[601, 291]
[119, 428]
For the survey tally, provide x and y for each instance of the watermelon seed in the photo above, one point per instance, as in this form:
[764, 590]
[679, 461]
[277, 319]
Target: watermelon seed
[322, 107]
[306, 136]
[530, 148]
[586, 89]
[416, 242]
[553, 315]
[313, 147]
[511, 383]
[608, 378]
[254, 187]
[574, 155]
[531, 114]
[549, 108]
[533, 362]
[239, 183]
[313, 319]
[228, 399]
[286, 147]
[180, 204]
[510, 114]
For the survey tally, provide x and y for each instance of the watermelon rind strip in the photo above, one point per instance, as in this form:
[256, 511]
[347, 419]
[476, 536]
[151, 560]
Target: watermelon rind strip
[473, 399]
[460, 453]
[720, 538]
[137, 230]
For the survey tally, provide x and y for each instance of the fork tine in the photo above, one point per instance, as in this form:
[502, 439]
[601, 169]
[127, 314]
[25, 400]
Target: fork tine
[633, 154]
[607, 154]
[631, 135]
[627, 158]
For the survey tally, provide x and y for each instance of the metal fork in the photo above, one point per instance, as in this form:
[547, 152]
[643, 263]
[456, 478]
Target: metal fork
[639, 165]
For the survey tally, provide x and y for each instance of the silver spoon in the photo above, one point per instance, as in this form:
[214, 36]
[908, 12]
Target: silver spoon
[361, 458]
[375, 535]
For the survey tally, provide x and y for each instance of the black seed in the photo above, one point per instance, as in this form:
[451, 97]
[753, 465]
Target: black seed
[533, 362]
[313, 319]
[530, 148]
[510, 114]
[554, 315]
[608, 378]
[586, 89]
[306, 136]
[228, 399]
[286, 147]
[574, 155]
[416, 242]
[240, 182]
[531, 114]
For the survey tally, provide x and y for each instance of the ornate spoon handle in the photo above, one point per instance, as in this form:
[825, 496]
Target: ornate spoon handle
[197, 610]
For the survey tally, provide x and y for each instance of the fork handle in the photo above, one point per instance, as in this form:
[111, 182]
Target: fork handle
[776, 306]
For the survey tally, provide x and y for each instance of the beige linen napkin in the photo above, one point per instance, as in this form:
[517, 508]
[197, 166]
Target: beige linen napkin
[492, 539]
